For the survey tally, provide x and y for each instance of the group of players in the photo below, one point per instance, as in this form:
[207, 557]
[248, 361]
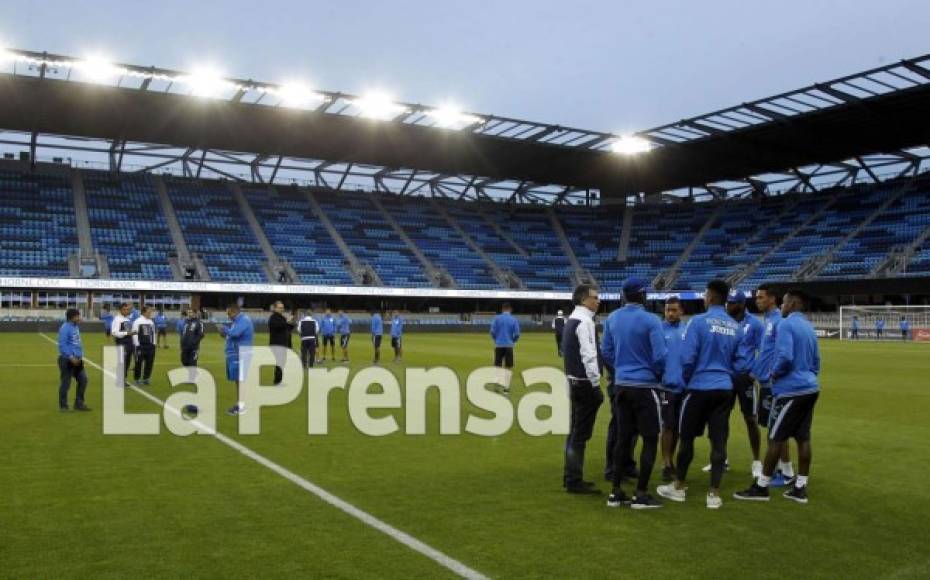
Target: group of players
[668, 382]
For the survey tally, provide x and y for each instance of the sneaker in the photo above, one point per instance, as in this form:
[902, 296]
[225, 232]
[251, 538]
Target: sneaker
[778, 480]
[671, 492]
[707, 468]
[753, 493]
[618, 498]
[668, 474]
[798, 494]
[713, 501]
[236, 410]
[63, 409]
[81, 407]
[146, 382]
[789, 481]
[645, 502]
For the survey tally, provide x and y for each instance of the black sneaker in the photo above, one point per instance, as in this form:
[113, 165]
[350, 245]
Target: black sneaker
[618, 498]
[581, 489]
[798, 494]
[81, 408]
[608, 475]
[63, 409]
[645, 502]
[668, 474]
[754, 493]
[789, 480]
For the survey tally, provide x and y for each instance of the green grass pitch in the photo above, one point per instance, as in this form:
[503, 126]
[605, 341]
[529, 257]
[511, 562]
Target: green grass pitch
[75, 503]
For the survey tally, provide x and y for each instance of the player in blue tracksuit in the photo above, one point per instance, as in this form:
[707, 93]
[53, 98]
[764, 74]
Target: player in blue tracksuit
[161, 327]
[328, 331]
[107, 318]
[71, 362]
[397, 336]
[674, 383]
[879, 328]
[767, 304]
[744, 386]
[905, 328]
[239, 334]
[710, 356]
[855, 328]
[796, 386]
[179, 324]
[344, 329]
[505, 331]
[634, 350]
[377, 331]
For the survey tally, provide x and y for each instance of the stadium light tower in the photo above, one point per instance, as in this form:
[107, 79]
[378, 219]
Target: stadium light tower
[631, 145]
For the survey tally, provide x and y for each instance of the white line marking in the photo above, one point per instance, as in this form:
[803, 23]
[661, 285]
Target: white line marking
[344, 506]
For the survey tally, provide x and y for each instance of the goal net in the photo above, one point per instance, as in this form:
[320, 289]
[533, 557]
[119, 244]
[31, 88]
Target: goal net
[889, 323]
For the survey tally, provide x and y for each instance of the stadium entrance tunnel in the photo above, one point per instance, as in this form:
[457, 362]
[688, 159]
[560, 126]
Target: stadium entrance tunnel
[490, 411]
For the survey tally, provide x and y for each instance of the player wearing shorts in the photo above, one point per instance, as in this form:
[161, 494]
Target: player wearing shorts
[674, 384]
[328, 330]
[710, 355]
[239, 333]
[505, 331]
[767, 304]
[795, 384]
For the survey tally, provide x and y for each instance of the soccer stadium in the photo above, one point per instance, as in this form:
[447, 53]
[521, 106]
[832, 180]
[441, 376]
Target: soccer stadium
[700, 349]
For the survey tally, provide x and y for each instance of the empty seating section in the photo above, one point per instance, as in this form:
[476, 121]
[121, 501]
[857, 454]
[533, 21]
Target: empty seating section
[215, 228]
[595, 238]
[372, 240]
[37, 231]
[548, 267]
[37, 224]
[736, 225]
[440, 243]
[126, 224]
[661, 232]
[297, 235]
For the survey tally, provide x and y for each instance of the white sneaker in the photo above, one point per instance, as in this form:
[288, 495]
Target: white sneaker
[671, 492]
[708, 467]
[713, 501]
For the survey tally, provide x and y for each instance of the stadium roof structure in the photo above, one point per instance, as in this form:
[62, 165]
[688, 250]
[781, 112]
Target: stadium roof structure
[862, 127]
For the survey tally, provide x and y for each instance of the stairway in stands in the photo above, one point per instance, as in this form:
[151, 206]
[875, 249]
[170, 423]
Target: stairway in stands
[580, 275]
[666, 280]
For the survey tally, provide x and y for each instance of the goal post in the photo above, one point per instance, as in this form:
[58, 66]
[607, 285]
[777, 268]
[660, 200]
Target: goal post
[885, 323]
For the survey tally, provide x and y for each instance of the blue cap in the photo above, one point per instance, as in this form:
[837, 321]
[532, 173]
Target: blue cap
[737, 297]
[634, 285]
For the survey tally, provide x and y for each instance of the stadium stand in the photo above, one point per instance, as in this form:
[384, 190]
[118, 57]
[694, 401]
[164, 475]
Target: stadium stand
[37, 225]
[127, 225]
[846, 233]
[214, 227]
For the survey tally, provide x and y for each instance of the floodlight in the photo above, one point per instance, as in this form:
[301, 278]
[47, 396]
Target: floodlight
[631, 145]
[297, 94]
[205, 82]
[450, 116]
[98, 69]
[378, 105]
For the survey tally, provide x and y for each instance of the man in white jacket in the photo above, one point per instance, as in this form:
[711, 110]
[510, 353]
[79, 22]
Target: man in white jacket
[145, 341]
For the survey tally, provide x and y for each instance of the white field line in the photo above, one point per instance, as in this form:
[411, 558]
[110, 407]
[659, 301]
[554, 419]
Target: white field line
[340, 504]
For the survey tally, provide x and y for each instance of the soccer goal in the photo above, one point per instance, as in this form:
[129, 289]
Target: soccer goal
[888, 323]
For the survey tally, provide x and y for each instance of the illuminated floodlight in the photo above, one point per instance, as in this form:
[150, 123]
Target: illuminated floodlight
[97, 69]
[297, 94]
[631, 145]
[378, 105]
[452, 117]
[205, 82]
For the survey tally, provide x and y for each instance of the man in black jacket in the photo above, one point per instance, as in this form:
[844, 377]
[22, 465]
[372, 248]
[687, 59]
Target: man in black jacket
[279, 334]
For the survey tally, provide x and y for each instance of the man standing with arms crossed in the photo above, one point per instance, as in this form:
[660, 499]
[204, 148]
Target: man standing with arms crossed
[279, 334]
[709, 359]
[796, 388]
[634, 347]
[584, 385]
